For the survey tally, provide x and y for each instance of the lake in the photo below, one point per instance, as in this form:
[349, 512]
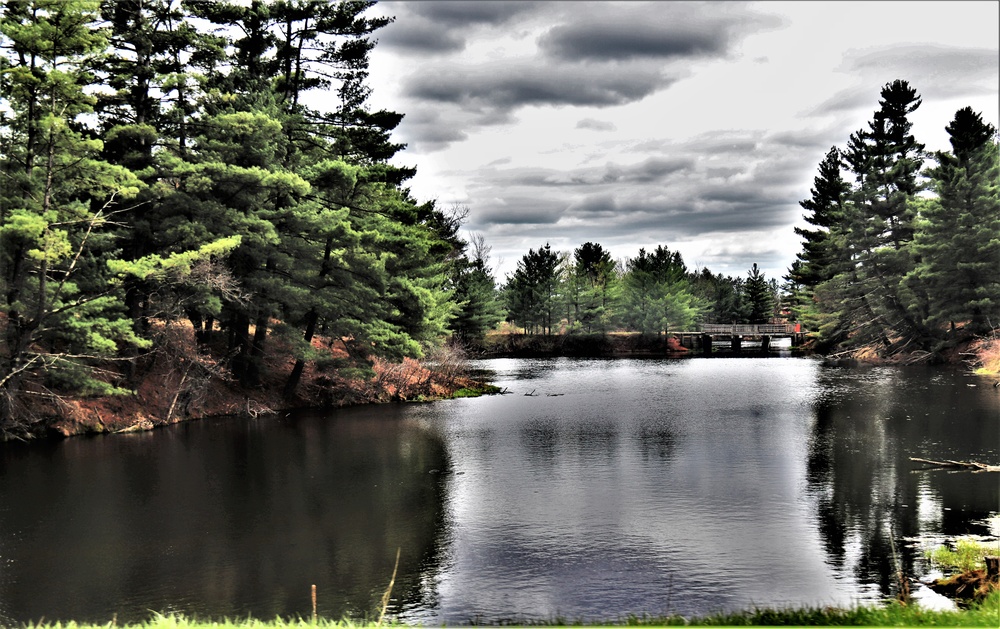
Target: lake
[594, 489]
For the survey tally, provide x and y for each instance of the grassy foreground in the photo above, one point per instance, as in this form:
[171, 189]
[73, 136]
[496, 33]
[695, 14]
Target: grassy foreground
[985, 614]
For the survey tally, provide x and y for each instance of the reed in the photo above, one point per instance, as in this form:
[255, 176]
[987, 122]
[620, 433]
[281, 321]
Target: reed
[966, 555]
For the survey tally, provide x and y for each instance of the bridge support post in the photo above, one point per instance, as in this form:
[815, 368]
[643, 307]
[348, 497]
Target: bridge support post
[765, 344]
[736, 342]
[706, 344]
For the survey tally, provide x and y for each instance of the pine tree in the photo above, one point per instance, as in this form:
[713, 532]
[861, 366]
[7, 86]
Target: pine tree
[58, 198]
[531, 294]
[595, 272]
[725, 295]
[822, 254]
[656, 293]
[152, 68]
[866, 303]
[476, 295]
[337, 246]
[957, 243]
[760, 296]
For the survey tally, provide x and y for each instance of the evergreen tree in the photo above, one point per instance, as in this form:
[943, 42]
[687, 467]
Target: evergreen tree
[531, 294]
[822, 254]
[595, 272]
[339, 246]
[479, 308]
[957, 242]
[656, 294]
[152, 67]
[588, 283]
[864, 303]
[760, 296]
[58, 198]
[725, 295]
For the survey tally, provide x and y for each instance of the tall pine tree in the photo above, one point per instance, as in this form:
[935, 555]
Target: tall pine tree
[59, 197]
[957, 241]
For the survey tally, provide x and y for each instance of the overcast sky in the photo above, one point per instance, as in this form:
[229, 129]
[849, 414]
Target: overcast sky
[698, 126]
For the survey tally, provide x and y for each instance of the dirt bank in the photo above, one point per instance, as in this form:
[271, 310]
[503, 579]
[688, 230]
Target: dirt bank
[180, 381]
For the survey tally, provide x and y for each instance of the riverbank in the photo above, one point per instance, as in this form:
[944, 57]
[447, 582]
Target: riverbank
[610, 345]
[981, 355]
[986, 356]
[985, 614]
[181, 381]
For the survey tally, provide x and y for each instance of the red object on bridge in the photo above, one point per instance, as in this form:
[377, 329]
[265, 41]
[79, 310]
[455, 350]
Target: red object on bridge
[674, 345]
[798, 328]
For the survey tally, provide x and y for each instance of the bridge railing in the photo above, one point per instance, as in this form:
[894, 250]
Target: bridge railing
[748, 328]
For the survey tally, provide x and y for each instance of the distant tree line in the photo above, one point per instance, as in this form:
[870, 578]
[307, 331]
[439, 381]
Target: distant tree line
[901, 257]
[652, 293]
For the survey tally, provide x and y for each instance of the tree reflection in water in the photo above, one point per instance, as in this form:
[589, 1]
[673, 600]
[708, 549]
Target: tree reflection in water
[867, 491]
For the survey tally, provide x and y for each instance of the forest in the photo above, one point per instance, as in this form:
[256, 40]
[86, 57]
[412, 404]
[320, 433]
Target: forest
[164, 172]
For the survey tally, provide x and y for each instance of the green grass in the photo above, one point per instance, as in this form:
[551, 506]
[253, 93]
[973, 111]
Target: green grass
[486, 389]
[967, 555]
[985, 614]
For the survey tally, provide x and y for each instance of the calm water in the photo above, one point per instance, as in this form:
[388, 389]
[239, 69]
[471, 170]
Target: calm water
[619, 487]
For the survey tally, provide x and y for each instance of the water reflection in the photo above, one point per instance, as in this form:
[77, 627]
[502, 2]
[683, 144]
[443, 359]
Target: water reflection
[868, 493]
[618, 487]
[645, 487]
[220, 518]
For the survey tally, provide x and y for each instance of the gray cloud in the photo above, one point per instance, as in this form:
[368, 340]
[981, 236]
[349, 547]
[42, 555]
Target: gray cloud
[427, 129]
[668, 218]
[812, 140]
[426, 28]
[421, 37]
[462, 14]
[671, 31]
[652, 170]
[518, 210]
[596, 55]
[631, 41]
[504, 87]
[953, 66]
[595, 125]
[934, 71]
[847, 100]
[721, 189]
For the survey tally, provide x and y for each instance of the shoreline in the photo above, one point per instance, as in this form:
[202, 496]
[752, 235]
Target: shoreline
[166, 394]
[889, 613]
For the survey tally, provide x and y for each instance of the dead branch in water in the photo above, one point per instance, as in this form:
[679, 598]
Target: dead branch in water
[973, 466]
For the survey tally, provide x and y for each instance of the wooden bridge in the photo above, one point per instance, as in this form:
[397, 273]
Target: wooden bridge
[736, 333]
[751, 329]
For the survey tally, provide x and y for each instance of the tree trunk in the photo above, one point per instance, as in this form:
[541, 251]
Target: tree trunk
[992, 567]
[239, 345]
[296, 375]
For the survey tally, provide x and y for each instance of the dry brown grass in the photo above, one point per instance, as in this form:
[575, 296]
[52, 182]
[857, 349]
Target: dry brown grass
[987, 356]
[180, 381]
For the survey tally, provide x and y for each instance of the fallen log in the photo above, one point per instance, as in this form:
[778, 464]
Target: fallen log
[973, 466]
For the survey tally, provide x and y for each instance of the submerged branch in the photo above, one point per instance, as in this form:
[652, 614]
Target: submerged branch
[973, 466]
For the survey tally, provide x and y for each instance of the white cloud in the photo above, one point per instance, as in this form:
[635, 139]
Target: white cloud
[701, 133]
